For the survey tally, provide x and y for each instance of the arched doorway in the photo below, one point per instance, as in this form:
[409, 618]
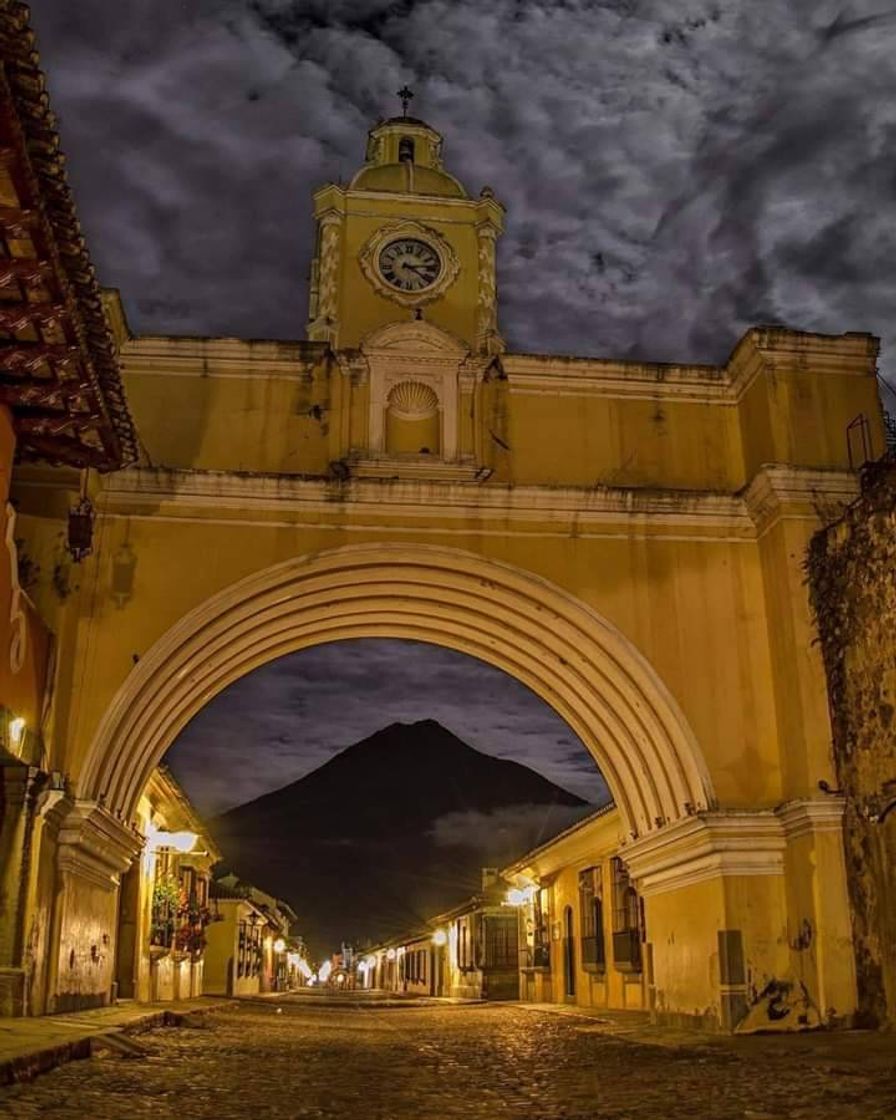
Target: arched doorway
[565, 652]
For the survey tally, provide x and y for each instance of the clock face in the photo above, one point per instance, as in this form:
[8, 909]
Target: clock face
[410, 265]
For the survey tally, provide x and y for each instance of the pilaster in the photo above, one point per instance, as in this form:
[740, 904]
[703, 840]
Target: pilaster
[761, 895]
[19, 786]
[94, 848]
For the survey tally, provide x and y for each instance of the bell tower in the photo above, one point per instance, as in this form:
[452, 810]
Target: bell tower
[404, 242]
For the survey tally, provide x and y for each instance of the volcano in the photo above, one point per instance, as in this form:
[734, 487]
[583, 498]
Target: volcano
[390, 831]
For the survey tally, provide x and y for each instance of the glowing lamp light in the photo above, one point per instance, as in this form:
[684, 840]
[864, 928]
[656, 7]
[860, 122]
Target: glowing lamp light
[16, 732]
[371, 963]
[180, 841]
[390, 954]
[440, 937]
[279, 945]
[340, 979]
[519, 896]
[362, 966]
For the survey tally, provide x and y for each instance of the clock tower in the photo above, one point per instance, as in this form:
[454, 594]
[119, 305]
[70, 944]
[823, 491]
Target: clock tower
[404, 242]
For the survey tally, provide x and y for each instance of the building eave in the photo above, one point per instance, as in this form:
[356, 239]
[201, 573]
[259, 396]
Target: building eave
[69, 389]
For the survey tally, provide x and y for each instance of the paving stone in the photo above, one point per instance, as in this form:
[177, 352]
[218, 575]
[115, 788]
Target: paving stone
[473, 1062]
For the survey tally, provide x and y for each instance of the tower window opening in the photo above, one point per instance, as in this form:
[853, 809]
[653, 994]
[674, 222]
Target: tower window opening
[405, 150]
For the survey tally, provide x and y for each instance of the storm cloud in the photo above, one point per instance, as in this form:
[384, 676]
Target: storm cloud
[674, 170]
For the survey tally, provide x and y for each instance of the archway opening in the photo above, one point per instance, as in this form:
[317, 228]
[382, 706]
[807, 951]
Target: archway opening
[574, 660]
[368, 782]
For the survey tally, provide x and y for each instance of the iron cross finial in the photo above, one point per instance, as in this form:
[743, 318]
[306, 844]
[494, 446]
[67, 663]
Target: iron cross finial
[406, 96]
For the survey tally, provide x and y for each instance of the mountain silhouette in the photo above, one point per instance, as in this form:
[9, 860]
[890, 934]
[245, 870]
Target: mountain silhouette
[390, 831]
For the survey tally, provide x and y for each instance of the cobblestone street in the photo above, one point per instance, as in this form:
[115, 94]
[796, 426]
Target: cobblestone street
[439, 1062]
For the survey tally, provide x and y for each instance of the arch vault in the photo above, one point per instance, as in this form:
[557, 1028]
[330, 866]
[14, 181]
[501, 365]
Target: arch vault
[562, 649]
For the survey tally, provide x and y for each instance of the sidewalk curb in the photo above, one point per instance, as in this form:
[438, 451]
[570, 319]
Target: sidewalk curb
[25, 1067]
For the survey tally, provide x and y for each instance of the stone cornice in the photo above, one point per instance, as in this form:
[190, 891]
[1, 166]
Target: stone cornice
[781, 491]
[558, 375]
[409, 497]
[164, 356]
[779, 350]
[759, 351]
[393, 488]
[706, 846]
[419, 468]
[334, 196]
[802, 818]
[94, 845]
[724, 843]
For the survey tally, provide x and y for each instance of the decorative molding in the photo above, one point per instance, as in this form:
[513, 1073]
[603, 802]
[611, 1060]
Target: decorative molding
[412, 400]
[94, 845]
[779, 350]
[528, 374]
[802, 818]
[706, 846]
[162, 356]
[560, 375]
[428, 468]
[416, 341]
[645, 510]
[368, 259]
[802, 492]
[18, 621]
[488, 341]
[327, 273]
[420, 352]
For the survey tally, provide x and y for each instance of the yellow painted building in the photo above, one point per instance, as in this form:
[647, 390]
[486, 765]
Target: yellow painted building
[247, 942]
[626, 538]
[468, 952]
[164, 906]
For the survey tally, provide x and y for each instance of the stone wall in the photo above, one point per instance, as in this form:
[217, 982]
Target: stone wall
[852, 572]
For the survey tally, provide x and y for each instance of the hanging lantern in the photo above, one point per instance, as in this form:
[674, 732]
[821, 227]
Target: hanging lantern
[80, 530]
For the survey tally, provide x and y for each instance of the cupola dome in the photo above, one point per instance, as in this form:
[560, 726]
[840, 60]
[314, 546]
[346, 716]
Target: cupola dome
[404, 155]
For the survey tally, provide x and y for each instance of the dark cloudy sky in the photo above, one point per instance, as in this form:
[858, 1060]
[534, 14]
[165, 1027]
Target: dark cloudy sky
[674, 170]
[290, 716]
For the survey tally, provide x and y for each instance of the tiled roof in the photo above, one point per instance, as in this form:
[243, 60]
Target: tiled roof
[58, 366]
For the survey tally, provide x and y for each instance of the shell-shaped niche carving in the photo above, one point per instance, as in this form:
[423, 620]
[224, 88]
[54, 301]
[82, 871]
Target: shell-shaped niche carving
[412, 400]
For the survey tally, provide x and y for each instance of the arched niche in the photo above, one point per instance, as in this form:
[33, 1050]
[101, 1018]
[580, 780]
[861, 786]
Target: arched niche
[413, 420]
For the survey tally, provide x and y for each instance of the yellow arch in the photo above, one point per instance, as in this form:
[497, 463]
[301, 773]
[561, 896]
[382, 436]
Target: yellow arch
[563, 650]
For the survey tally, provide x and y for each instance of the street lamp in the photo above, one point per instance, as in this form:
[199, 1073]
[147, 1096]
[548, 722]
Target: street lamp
[16, 732]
